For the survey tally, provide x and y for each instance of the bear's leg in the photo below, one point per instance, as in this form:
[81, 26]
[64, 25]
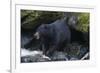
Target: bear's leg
[51, 50]
[45, 48]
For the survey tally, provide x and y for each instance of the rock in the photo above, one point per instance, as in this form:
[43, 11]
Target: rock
[74, 58]
[85, 57]
[73, 48]
[59, 56]
[83, 51]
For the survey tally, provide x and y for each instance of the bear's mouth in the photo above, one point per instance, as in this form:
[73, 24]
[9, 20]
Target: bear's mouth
[36, 35]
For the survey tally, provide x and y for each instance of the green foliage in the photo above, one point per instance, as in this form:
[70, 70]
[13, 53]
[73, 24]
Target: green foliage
[31, 19]
[83, 22]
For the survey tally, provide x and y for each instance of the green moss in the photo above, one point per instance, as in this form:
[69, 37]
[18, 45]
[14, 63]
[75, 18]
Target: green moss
[83, 22]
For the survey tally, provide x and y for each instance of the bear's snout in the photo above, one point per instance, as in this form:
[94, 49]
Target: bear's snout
[36, 35]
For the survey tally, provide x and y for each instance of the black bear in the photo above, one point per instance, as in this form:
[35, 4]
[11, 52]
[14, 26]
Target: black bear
[53, 36]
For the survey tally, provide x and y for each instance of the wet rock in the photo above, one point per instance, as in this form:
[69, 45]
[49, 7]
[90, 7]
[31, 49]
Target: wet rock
[83, 51]
[73, 48]
[73, 58]
[36, 58]
[85, 57]
[59, 56]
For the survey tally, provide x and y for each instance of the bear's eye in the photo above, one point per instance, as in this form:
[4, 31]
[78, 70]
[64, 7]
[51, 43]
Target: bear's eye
[45, 26]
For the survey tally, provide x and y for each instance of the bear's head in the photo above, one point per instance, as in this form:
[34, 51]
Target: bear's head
[72, 22]
[42, 31]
